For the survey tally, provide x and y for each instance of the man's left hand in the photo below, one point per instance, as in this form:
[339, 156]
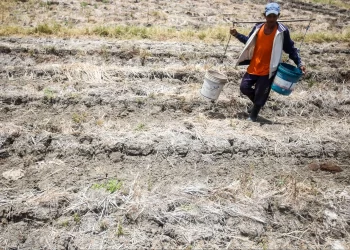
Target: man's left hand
[303, 69]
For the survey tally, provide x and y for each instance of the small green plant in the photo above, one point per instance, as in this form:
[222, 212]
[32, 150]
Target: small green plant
[65, 223]
[43, 4]
[83, 4]
[120, 230]
[48, 94]
[111, 186]
[31, 52]
[79, 118]
[311, 83]
[280, 181]
[264, 244]
[189, 247]
[140, 127]
[76, 218]
[114, 185]
[187, 207]
[152, 95]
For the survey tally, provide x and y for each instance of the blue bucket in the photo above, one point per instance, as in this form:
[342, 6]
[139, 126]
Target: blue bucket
[286, 78]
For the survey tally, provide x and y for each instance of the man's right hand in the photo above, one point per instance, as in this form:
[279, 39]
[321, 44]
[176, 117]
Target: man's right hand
[233, 31]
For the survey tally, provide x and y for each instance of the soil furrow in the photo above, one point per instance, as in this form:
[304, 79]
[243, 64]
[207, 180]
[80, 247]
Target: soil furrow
[107, 143]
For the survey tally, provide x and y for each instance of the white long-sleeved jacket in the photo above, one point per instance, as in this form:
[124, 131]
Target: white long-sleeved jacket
[282, 42]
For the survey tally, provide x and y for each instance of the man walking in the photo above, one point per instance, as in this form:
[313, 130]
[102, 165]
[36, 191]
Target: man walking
[263, 52]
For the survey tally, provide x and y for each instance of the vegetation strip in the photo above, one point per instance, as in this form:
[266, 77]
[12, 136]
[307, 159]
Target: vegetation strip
[157, 33]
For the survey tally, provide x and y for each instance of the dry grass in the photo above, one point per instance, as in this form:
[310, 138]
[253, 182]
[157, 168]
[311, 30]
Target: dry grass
[208, 35]
[339, 3]
[81, 22]
[122, 32]
[185, 207]
[242, 185]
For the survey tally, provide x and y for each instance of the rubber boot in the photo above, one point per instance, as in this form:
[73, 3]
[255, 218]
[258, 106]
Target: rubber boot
[249, 109]
[254, 114]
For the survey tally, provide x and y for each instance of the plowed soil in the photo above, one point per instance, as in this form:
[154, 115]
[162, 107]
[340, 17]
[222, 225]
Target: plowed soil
[108, 144]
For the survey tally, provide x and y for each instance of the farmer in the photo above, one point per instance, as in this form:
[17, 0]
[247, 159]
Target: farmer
[263, 52]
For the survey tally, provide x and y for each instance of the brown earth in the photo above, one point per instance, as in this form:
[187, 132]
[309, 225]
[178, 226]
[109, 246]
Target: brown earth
[102, 147]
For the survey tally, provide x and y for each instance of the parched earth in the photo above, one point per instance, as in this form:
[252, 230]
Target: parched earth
[108, 144]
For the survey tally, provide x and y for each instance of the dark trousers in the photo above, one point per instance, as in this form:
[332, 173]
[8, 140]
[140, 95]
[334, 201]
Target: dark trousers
[256, 88]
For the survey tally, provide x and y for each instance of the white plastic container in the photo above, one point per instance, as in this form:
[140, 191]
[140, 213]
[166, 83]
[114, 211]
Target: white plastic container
[213, 84]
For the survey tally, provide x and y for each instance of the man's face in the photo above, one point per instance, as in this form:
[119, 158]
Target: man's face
[272, 18]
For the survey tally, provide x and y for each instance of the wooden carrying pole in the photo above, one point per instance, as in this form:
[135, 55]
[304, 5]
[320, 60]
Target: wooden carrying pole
[282, 21]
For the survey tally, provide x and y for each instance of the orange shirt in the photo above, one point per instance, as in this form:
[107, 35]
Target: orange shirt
[260, 63]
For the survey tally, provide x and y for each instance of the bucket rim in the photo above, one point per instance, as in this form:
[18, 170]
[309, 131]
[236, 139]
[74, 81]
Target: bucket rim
[286, 67]
[215, 74]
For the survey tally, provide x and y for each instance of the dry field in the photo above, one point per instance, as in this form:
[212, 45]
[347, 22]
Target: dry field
[106, 142]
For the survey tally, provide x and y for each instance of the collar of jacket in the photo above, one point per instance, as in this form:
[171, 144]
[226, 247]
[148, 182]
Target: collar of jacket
[280, 27]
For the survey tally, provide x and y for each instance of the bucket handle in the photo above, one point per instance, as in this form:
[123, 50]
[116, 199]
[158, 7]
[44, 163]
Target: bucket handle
[302, 41]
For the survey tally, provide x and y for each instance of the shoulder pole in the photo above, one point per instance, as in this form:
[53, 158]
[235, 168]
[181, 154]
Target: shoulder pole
[282, 21]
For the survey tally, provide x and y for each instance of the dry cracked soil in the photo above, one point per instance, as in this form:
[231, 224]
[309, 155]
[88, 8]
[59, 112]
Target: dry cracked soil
[108, 144]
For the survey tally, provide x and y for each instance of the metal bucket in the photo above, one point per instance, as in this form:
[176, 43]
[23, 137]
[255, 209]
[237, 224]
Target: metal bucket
[213, 84]
[286, 79]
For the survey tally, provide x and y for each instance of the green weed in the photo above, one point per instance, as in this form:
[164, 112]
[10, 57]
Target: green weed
[65, 223]
[76, 218]
[48, 94]
[311, 83]
[141, 127]
[79, 118]
[84, 4]
[111, 186]
[152, 95]
[233, 124]
[187, 207]
[120, 230]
